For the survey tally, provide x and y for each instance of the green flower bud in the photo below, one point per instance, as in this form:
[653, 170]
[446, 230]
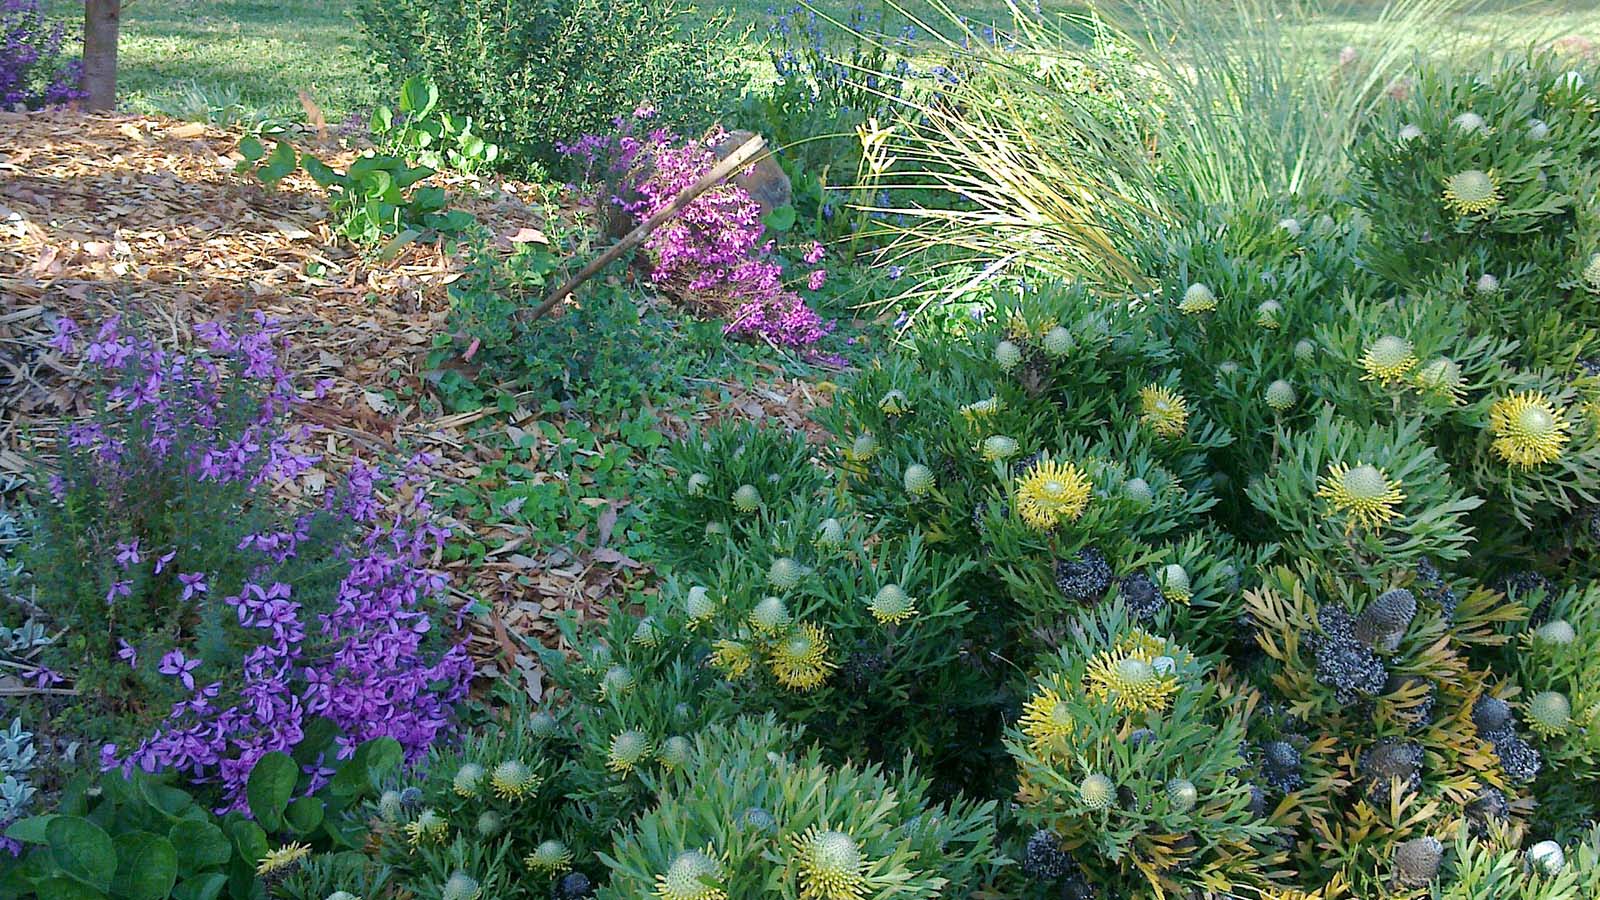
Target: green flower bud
[785, 573]
[1281, 395]
[1097, 791]
[1058, 342]
[1139, 491]
[918, 480]
[747, 499]
[1182, 794]
[698, 482]
[1008, 355]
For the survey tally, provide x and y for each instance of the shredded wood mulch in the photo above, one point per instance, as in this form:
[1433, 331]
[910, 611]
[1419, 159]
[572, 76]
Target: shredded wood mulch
[146, 218]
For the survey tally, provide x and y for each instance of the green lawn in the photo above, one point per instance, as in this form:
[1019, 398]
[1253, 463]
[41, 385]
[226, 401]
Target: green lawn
[186, 56]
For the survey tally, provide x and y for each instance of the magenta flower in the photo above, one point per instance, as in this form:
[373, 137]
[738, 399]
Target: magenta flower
[817, 279]
[814, 253]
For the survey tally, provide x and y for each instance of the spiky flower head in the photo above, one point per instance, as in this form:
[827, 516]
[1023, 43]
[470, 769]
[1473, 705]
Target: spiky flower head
[1409, 133]
[1164, 410]
[830, 864]
[1591, 274]
[1129, 680]
[1097, 791]
[1388, 360]
[1364, 495]
[1290, 226]
[550, 857]
[1441, 377]
[918, 480]
[460, 886]
[1556, 631]
[769, 615]
[734, 658]
[864, 447]
[647, 633]
[628, 749]
[894, 403]
[1182, 795]
[1051, 493]
[693, 875]
[427, 827]
[1046, 721]
[513, 780]
[1468, 122]
[998, 448]
[1174, 582]
[698, 482]
[469, 778]
[1269, 313]
[1197, 298]
[830, 534]
[891, 605]
[698, 605]
[490, 824]
[747, 499]
[980, 409]
[616, 682]
[785, 573]
[285, 858]
[1281, 395]
[1472, 192]
[1547, 858]
[1416, 862]
[1305, 350]
[1529, 430]
[675, 753]
[1549, 713]
[800, 661]
[1487, 284]
[1058, 342]
[1139, 491]
[1008, 355]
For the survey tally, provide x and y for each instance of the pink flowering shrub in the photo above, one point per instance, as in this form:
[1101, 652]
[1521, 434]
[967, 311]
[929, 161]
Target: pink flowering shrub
[714, 254]
[208, 622]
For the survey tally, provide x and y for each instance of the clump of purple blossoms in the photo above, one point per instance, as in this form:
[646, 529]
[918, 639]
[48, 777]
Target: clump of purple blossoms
[315, 612]
[32, 71]
[714, 253]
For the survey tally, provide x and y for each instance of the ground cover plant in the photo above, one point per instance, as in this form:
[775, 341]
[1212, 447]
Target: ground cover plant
[1111, 497]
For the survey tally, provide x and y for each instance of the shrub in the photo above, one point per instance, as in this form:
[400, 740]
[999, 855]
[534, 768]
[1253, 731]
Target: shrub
[533, 73]
[33, 71]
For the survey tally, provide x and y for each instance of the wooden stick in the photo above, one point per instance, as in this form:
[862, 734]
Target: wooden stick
[735, 161]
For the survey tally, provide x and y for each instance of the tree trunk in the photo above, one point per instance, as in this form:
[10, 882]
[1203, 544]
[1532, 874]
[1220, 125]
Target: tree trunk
[102, 19]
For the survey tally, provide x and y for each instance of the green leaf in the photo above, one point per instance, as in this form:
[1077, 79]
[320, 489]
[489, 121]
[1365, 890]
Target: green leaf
[66, 889]
[249, 843]
[251, 149]
[147, 866]
[419, 96]
[320, 172]
[780, 219]
[170, 801]
[83, 850]
[304, 815]
[30, 830]
[207, 887]
[270, 786]
[200, 845]
[282, 161]
[345, 832]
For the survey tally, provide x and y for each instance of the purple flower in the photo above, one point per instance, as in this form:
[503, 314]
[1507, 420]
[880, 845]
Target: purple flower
[173, 662]
[127, 653]
[164, 559]
[816, 279]
[193, 583]
[895, 272]
[128, 553]
[814, 253]
[118, 589]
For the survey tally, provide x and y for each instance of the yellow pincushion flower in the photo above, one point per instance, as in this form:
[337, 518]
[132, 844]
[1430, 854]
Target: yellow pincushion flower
[800, 661]
[1197, 298]
[732, 657]
[513, 780]
[1528, 429]
[1130, 680]
[282, 858]
[551, 857]
[1046, 721]
[1442, 378]
[1388, 360]
[980, 409]
[830, 864]
[628, 750]
[428, 826]
[1051, 493]
[891, 605]
[1472, 192]
[1364, 495]
[693, 875]
[1164, 410]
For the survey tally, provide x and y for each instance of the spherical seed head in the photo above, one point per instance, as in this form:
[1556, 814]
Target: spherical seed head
[830, 534]
[1529, 430]
[1164, 410]
[998, 448]
[468, 779]
[676, 752]
[1490, 714]
[1538, 129]
[864, 446]
[1549, 713]
[616, 682]
[1008, 355]
[1468, 121]
[1197, 298]
[1409, 133]
[785, 573]
[490, 824]
[1556, 631]
[769, 615]
[918, 480]
[1280, 395]
[1416, 861]
[830, 865]
[1487, 284]
[891, 605]
[1591, 273]
[1472, 192]
[1139, 491]
[698, 605]
[1547, 858]
[1085, 577]
[460, 886]
[1383, 622]
[894, 403]
[1388, 359]
[693, 875]
[1290, 226]
[1058, 342]
[1097, 791]
[1174, 583]
[698, 482]
[513, 780]
[1043, 858]
[747, 498]
[1268, 313]
[1305, 350]
[1182, 795]
[1051, 493]
[1281, 754]
[573, 886]
[550, 856]
[628, 749]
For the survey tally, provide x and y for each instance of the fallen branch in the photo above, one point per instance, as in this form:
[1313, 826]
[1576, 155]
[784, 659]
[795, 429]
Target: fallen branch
[742, 156]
